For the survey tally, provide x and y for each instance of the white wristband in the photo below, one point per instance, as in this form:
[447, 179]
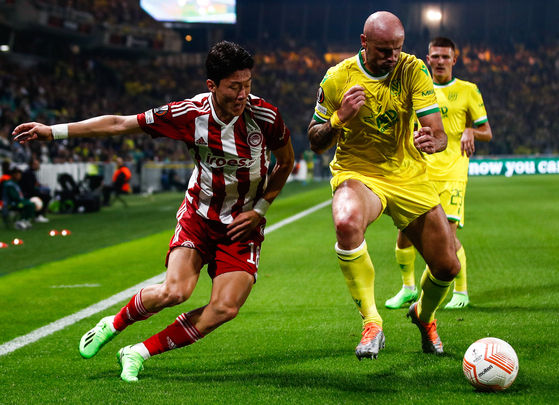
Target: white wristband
[59, 131]
[262, 207]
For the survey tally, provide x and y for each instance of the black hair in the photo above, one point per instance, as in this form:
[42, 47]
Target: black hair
[442, 42]
[224, 59]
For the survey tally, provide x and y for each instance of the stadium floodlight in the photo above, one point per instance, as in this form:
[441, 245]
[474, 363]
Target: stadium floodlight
[434, 15]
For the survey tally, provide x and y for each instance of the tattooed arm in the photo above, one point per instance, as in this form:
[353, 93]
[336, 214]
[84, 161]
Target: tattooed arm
[323, 136]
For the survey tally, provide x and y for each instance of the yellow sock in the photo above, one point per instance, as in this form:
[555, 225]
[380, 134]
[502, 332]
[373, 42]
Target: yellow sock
[461, 280]
[359, 275]
[406, 260]
[433, 293]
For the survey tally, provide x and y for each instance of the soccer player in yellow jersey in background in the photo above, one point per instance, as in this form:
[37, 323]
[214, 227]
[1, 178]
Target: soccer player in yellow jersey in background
[366, 107]
[465, 121]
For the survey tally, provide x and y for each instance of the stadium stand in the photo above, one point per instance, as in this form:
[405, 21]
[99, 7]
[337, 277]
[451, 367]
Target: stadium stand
[518, 82]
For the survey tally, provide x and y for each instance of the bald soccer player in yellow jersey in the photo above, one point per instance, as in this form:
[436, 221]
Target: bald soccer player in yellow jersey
[366, 107]
[465, 120]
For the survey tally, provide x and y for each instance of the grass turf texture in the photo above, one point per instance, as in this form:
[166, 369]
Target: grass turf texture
[294, 339]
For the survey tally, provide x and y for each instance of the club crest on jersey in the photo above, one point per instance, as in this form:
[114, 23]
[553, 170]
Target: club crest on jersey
[320, 95]
[395, 87]
[255, 139]
[161, 111]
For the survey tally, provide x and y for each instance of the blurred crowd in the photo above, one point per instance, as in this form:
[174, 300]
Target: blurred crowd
[122, 12]
[519, 86]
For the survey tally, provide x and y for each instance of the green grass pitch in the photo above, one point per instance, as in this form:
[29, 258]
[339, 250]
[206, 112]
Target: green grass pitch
[293, 341]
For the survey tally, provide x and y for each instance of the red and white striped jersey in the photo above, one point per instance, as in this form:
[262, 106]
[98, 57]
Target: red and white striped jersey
[231, 160]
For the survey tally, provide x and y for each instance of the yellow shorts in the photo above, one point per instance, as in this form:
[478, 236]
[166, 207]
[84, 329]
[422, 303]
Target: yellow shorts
[452, 195]
[402, 201]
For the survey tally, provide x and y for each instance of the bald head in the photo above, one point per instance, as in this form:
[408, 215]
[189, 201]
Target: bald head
[383, 25]
[382, 39]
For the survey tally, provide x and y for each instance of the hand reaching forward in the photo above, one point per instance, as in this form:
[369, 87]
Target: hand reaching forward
[31, 131]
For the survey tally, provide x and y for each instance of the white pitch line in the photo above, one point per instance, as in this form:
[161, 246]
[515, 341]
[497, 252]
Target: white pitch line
[76, 286]
[55, 326]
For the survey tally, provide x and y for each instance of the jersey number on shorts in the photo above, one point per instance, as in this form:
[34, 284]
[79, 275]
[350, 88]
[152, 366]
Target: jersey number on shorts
[456, 198]
[254, 255]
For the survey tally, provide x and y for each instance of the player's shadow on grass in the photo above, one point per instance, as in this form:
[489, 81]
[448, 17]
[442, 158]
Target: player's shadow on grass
[516, 298]
[386, 375]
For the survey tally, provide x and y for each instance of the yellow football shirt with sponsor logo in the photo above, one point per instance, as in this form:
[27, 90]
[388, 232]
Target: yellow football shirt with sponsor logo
[378, 141]
[461, 106]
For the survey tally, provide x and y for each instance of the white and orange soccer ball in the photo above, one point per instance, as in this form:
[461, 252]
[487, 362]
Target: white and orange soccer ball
[490, 364]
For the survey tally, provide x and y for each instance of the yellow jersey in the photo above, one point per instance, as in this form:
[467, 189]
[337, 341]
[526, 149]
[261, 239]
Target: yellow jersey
[378, 141]
[461, 106]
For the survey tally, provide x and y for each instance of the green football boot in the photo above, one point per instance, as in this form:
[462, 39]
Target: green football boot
[97, 337]
[458, 301]
[131, 362]
[405, 295]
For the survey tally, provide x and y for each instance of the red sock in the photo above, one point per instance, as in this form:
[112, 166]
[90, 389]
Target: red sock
[179, 334]
[132, 312]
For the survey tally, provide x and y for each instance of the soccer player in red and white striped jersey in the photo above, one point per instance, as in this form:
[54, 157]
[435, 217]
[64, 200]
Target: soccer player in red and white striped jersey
[230, 134]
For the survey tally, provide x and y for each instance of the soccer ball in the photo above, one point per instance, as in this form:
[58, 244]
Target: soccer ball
[38, 203]
[490, 364]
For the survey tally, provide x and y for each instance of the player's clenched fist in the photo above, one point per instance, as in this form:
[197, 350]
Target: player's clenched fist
[352, 101]
[32, 131]
[424, 140]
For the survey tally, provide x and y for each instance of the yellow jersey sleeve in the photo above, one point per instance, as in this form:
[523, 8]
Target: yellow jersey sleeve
[476, 107]
[423, 93]
[329, 96]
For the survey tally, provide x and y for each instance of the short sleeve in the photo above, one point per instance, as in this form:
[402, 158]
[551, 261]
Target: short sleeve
[164, 121]
[278, 135]
[423, 93]
[476, 107]
[327, 101]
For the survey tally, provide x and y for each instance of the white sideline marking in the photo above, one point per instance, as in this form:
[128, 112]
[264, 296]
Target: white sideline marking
[296, 217]
[75, 286]
[55, 326]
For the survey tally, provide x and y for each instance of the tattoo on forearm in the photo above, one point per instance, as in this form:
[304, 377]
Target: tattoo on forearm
[322, 136]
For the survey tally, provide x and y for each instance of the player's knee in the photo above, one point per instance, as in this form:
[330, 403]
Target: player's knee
[169, 297]
[224, 312]
[446, 270]
[347, 226]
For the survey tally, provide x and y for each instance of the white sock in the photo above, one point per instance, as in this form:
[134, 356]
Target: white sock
[142, 349]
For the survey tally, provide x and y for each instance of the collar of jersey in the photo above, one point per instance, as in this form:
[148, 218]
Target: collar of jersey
[440, 86]
[216, 118]
[364, 69]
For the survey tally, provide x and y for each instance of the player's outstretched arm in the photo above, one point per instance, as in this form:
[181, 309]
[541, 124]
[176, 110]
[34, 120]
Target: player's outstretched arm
[322, 136]
[431, 137]
[106, 125]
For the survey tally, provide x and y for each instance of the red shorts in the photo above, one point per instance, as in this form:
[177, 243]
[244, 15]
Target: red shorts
[210, 239]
